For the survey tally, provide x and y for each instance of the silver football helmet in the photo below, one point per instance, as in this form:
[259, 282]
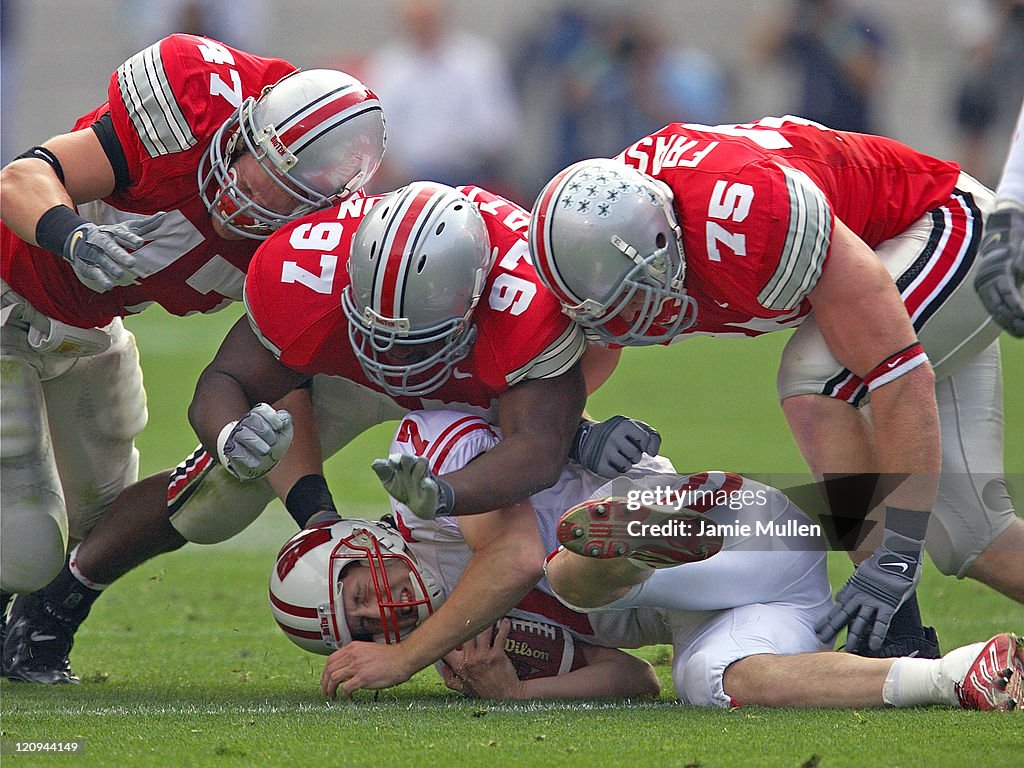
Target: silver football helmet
[605, 241]
[306, 586]
[318, 134]
[418, 264]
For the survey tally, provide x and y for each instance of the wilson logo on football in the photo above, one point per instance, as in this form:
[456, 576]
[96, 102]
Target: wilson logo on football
[524, 650]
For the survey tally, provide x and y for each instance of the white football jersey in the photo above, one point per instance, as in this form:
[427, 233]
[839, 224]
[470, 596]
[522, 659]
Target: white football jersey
[450, 440]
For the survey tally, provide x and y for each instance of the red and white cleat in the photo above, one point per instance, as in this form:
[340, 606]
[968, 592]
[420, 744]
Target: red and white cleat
[995, 680]
[659, 537]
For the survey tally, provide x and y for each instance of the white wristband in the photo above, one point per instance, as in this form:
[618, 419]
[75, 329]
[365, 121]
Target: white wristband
[222, 438]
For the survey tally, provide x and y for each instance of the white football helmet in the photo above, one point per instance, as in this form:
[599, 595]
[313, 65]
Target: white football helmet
[605, 241]
[418, 264]
[318, 134]
[306, 586]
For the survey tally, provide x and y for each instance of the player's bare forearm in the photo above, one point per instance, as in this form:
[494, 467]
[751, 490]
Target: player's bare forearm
[863, 319]
[29, 187]
[538, 419]
[609, 673]
[507, 561]
[242, 374]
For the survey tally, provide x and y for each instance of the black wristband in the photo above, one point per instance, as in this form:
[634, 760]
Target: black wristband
[910, 523]
[308, 496]
[54, 226]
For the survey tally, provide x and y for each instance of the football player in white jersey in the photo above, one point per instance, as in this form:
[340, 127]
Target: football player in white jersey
[739, 608]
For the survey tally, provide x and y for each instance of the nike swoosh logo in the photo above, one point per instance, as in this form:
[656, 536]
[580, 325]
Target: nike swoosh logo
[75, 237]
[38, 637]
[991, 239]
[902, 566]
[894, 363]
[460, 375]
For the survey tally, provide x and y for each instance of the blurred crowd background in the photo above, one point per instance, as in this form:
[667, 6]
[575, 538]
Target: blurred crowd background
[503, 94]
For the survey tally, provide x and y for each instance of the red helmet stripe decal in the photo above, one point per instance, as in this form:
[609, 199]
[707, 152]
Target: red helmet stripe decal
[313, 121]
[305, 634]
[395, 251]
[293, 610]
[541, 237]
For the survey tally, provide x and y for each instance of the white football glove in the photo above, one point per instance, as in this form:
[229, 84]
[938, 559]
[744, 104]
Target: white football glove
[409, 480]
[250, 447]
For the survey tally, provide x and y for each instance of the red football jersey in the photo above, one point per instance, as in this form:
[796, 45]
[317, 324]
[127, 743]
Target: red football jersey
[165, 102]
[293, 297]
[757, 203]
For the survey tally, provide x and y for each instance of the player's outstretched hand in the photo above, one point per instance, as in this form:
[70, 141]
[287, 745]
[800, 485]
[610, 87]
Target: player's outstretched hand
[362, 665]
[409, 480]
[97, 251]
[867, 602]
[480, 668]
[1001, 269]
[611, 448]
[250, 447]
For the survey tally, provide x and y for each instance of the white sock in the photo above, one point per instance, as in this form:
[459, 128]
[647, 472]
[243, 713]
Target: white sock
[82, 578]
[915, 682]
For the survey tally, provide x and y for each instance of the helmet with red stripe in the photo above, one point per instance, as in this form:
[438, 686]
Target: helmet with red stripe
[418, 264]
[605, 241]
[318, 134]
[306, 587]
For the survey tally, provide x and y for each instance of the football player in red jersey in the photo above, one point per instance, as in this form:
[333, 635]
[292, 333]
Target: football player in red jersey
[740, 621]
[426, 295]
[159, 195]
[866, 245]
[497, 343]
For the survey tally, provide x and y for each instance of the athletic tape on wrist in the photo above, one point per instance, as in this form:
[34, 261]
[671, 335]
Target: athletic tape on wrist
[222, 439]
[896, 365]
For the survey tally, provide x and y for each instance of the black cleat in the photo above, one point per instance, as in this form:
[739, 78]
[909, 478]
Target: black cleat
[921, 643]
[36, 647]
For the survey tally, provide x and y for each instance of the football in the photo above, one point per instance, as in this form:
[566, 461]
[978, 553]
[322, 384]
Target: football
[539, 649]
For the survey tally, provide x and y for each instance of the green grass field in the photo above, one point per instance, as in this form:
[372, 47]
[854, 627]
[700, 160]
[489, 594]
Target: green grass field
[182, 665]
